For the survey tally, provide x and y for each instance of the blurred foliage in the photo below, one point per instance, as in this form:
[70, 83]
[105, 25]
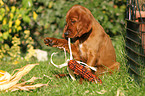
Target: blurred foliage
[46, 18]
[51, 15]
[14, 32]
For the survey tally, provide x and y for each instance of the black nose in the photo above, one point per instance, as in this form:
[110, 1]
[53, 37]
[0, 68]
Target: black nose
[66, 33]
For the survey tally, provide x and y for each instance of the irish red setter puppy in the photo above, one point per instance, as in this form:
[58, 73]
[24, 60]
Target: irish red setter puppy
[90, 43]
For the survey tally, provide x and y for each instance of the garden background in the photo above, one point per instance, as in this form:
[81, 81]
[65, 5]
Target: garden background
[25, 23]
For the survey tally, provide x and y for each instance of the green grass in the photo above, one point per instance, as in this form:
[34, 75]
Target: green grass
[119, 83]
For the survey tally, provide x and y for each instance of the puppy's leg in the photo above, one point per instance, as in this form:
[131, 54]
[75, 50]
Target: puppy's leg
[92, 60]
[114, 67]
[54, 42]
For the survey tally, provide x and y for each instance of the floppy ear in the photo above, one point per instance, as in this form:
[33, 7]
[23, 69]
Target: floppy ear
[85, 23]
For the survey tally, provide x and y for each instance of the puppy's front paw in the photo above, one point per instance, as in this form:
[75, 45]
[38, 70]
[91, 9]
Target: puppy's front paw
[50, 41]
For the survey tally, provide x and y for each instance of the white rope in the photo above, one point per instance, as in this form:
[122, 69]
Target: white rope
[58, 66]
[93, 68]
[69, 45]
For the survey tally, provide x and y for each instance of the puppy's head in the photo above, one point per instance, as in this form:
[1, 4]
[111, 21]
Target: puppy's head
[79, 21]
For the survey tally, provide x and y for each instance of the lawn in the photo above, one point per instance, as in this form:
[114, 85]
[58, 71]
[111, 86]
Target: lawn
[118, 84]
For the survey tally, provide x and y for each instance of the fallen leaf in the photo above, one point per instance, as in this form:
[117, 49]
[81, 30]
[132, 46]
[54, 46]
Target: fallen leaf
[87, 91]
[8, 82]
[102, 92]
[120, 92]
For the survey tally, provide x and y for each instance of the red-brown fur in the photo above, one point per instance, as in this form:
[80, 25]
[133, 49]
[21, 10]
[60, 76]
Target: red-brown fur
[90, 42]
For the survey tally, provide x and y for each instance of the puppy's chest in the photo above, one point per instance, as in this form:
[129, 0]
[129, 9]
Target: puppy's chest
[83, 50]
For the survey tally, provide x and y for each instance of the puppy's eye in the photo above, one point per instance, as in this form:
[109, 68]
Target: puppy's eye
[73, 21]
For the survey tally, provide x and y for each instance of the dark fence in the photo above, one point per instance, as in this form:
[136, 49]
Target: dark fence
[135, 37]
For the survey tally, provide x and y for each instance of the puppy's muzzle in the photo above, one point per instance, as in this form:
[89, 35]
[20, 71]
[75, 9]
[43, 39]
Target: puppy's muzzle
[66, 34]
